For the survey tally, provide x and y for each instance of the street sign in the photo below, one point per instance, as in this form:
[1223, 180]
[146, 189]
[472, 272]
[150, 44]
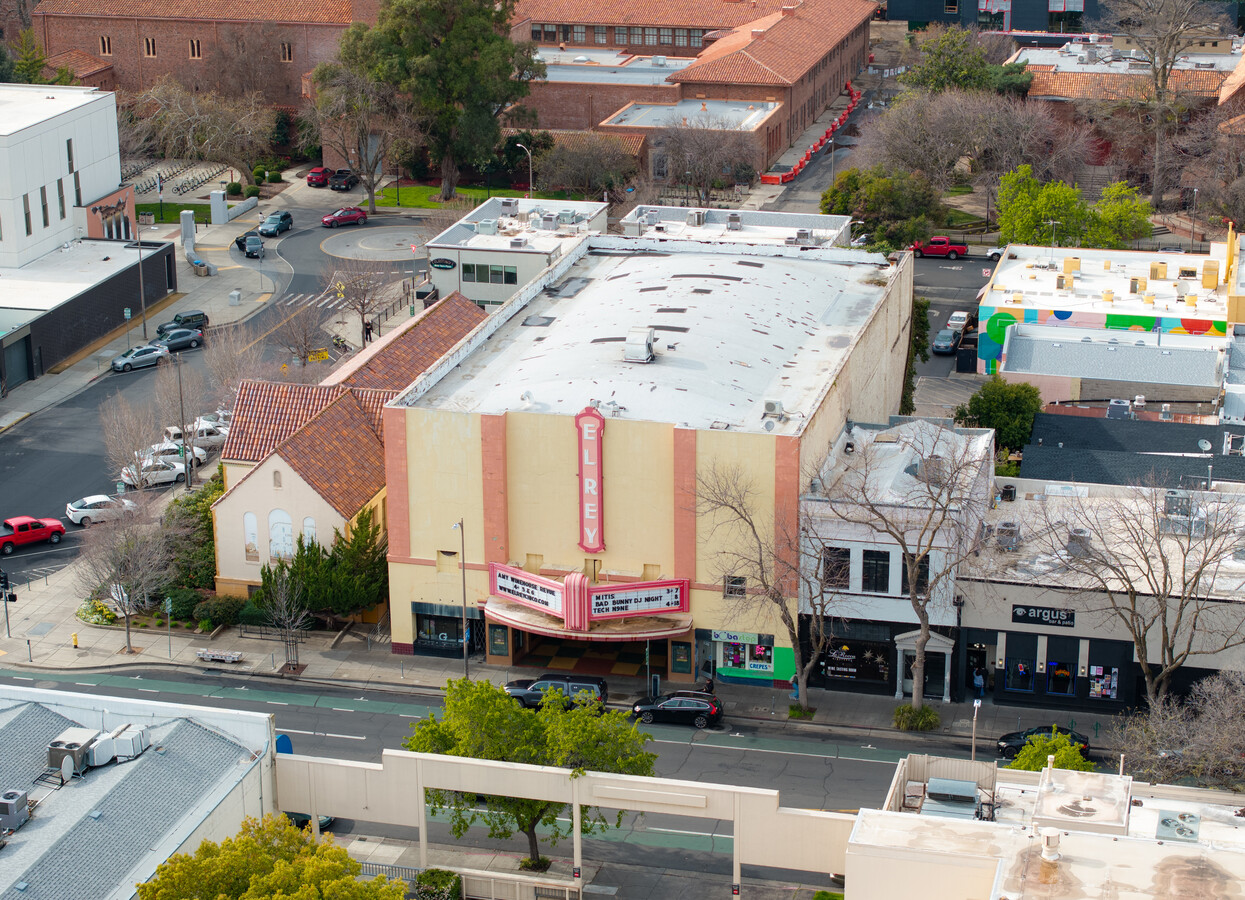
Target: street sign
[120, 487]
[168, 605]
[127, 314]
[319, 355]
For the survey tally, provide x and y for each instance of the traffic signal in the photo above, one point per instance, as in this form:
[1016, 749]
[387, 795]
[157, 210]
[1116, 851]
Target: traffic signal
[4, 580]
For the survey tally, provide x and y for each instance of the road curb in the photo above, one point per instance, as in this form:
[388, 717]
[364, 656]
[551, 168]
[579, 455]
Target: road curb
[22, 418]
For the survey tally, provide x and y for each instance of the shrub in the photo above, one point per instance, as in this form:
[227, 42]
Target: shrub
[252, 190]
[234, 189]
[908, 719]
[259, 172]
[541, 865]
[184, 602]
[205, 624]
[274, 177]
[441, 884]
[252, 614]
[220, 610]
[96, 612]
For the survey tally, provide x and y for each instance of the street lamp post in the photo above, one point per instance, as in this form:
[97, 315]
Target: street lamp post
[531, 187]
[1193, 230]
[1054, 226]
[462, 564]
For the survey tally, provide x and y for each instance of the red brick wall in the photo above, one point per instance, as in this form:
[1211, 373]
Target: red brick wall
[561, 104]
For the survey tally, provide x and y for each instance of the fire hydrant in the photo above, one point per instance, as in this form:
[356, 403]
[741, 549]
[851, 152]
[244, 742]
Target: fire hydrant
[75, 640]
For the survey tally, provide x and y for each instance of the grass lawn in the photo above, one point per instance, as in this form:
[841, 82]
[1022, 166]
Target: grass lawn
[827, 895]
[173, 211]
[957, 218]
[420, 196]
[958, 190]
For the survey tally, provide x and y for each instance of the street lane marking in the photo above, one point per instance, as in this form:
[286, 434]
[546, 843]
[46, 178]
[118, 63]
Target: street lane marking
[703, 745]
[149, 690]
[85, 683]
[349, 737]
[341, 709]
[294, 731]
[22, 678]
[693, 833]
[276, 703]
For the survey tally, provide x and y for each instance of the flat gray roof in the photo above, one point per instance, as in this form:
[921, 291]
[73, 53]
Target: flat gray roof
[740, 115]
[1115, 356]
[590, 65]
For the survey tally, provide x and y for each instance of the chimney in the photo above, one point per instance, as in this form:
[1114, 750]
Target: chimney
[788, 10]
[704, 107]
[757, 32]
[685, 121]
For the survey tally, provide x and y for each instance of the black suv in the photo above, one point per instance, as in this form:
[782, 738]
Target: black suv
[530, 691]
[191, 318]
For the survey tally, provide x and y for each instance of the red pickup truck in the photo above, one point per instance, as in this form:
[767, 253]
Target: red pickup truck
[940, 246]
[21, 530]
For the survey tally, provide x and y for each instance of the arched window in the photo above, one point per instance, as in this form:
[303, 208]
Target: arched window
[276, 479]
[250, 535]
[309, 530]
[280, 535]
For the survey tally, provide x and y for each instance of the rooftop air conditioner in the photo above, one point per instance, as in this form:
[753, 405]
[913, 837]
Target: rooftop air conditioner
[1079, 541]
[696, 217]
[518, 243]
[1008, 535]
[509, 205]
[633, 227]
[791, 240]
[638, 348]
[131, 742]
[486, 226]
[659, 61]
[651, 215]
[804, 235]
[549, 221]
[773, 410]
[566, 216]
[74, 743]
[734, 222]
[14, 810]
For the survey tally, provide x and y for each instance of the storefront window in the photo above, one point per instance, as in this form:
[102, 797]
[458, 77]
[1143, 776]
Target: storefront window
[858, 661]
[1019, 674]
[1104, 683]
[754, 657]
[440, 629]
[1060, 678]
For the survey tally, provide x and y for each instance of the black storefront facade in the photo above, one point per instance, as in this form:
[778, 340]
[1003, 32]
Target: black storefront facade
[870, 657]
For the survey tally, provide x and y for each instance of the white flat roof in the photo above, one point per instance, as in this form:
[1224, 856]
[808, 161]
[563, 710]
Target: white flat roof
[589, 64]
[520, 218]
[733, 330]
[1068, 59]
[753, 226]
[740, 115]
[24, 105]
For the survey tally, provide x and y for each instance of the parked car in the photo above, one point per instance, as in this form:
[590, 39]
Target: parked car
[191, 318]
[996, 253]
[530, 691]
[347, 215]
[219, 418]
[21, 530]
[255, 247]
[862, 240]
[137, 357]
[1172, 249]
[319, 176]
[946, 341]
[276, 223]
[960, 320]
[240, 240]
[180, 339]
[207, 436]
[98, 508]
[680, 707]
[170, 450]
[343, 180]
[1011, 743]
[939, 246]
[302, 820]
[153, 472]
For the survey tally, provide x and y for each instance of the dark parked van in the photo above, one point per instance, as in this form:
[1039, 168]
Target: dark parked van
[530, 691]
[191, 318]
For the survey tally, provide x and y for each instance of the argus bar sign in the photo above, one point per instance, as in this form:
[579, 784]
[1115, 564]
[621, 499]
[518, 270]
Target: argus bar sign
[590, 425]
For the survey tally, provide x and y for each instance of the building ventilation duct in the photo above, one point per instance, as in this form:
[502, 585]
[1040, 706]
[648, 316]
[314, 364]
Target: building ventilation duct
[638, 347]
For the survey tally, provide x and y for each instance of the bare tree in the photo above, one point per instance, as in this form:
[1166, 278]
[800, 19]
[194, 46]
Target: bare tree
[704, 150]
[189, 125]
[129, 562]
[285, 608]
[772, 569]
[129, 431]
[1146, 559]
[233, 355]
[179, 390]
[362, 119]
[361, 287]
[924, 494]
[590, 164]
[301, 333]
[134, 133]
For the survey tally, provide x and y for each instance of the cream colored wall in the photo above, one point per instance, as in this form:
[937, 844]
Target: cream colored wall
[886, 873]
[234, 472]
[258, 495]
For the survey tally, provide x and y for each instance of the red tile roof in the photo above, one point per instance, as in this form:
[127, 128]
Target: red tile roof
[338, 455]
[631, 144]
[784, 50]
[79, 62]
[310, 12]
[269, 412]
[707, 14]
[1051, 83]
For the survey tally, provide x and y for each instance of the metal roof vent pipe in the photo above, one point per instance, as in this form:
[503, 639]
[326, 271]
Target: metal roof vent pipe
[1050, 842]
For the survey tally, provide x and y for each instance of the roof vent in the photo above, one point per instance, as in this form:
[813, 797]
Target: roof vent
[486, 226]
[773, 410]
[638, 348]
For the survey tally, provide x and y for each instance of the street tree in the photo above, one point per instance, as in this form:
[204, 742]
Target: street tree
[284, 607]
[456, 62]
[127, 564]
[234, 355]
[590, 165]
[301, 333]
[480, 721]
[361, 286]
[359, 118]
[950, 58]
[267, 859]
[129, 430]
[932, 518]
[704, 151]
[775, 569]
[178, 391]
[207, 125]
[897, 206]
[1148, 564]
[1007, 407]
[1032, 756]
[1033, 212]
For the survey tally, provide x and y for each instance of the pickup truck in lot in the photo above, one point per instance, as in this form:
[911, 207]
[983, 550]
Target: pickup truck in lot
[939, 246]
[343, 180]
[21, 530]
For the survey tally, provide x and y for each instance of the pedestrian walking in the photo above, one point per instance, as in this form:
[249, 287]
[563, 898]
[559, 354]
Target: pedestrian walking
[979, 681]
[795, 687]
[367, 332]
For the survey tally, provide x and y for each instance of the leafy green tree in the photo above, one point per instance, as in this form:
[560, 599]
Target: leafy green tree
[918, 345]
[1011, 78]
[514, 159]
[896, 207]
[1007, 407]
[480, 721]
[28, 68]
[268, 860]
[1119, 216]
[456, 62]
[188, 524]
[1031, 212]
[7, 70]
[951, 58]
[1032, 756]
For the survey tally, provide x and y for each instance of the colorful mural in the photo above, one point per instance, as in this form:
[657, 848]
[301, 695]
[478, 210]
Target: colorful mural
[997, 321]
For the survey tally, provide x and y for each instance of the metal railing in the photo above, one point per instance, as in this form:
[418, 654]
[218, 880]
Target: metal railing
[268, 633]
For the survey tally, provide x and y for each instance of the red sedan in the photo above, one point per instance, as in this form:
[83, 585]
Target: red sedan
[347, 215]
[319, 176]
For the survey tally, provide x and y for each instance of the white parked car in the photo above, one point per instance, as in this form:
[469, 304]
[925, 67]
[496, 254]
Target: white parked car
[98, 508]
[209, 437]
[173, 451]
[996, 253]
[153, 472]
[958, 320]
[221, 418]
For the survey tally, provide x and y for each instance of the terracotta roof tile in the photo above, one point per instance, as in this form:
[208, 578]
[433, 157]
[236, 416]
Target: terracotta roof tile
[784, 50]
[707, 14]
[79, 62]
[632, 144]
[310, 12]
[269, 412]
[338, 455]
[1049, 82]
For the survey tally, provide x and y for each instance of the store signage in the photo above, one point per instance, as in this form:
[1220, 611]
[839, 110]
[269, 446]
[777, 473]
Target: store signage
[540, 593]
[590, 425]
[653, 596]
[742, 637]
[442, 262]
[1043, 615]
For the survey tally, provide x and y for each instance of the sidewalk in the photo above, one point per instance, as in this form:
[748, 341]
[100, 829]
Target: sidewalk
[43, 623]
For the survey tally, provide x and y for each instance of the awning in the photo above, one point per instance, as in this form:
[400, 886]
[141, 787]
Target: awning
[634, 628]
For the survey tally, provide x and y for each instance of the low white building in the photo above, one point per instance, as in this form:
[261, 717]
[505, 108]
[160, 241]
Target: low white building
[506, 242]
[738, 227]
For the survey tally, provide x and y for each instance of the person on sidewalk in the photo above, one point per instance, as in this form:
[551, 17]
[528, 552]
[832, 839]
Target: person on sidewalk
[367, 332]
[795, 687]
[708, 689]
[979, 681]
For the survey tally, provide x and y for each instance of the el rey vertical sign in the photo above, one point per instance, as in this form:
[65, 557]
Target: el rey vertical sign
[590, 426]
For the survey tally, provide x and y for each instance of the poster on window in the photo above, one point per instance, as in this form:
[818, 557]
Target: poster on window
[1104, 683]
[857, 661]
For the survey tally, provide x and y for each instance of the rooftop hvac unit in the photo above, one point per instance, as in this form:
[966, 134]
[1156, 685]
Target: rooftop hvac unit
[638, 348]
[696, 217]
[131, 742]
[549, 221]
[791, 240]
[773, 410]
[651, 216]
[1008, 535]
[566, 216]
[659, 61]
[1079, 541]
[804, 235]
[932, 470]
[102, 752]
[1178, 826]
[509, 205]
[486, 226]
[518, 243]
[14, 810]
[734, 222]
[73, 743]
[633, 227]
[1177, 503]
